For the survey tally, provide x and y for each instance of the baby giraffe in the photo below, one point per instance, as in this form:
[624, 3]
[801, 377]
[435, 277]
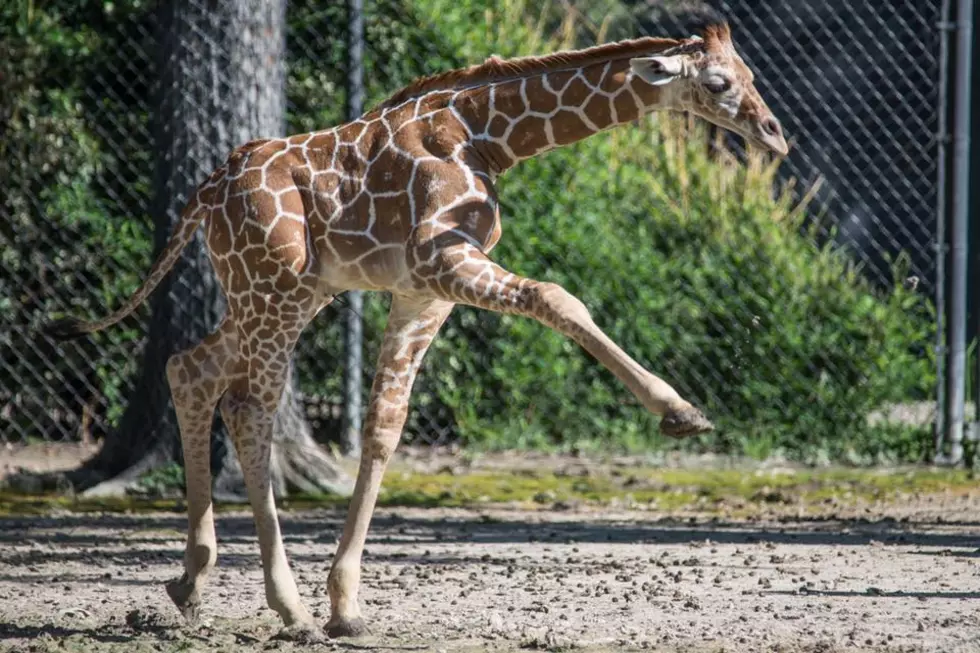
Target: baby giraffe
[402, 200]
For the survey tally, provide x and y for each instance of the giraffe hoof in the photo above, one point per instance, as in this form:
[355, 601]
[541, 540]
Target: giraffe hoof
[186, 598]
[346, 628]
[301, 633]
[685, 422]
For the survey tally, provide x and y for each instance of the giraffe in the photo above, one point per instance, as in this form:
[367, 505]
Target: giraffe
[402, 200]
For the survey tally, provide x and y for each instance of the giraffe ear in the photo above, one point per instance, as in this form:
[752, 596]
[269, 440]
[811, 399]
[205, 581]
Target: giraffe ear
[658, 70]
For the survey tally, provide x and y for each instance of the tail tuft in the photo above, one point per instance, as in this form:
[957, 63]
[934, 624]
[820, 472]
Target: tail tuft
[66, 328]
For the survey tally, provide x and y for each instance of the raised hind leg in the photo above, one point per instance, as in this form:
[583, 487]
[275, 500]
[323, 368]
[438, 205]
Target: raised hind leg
[248, 409]
[412, 325]
[197, 378]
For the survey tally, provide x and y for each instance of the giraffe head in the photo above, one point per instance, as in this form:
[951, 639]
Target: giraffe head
[706, 76]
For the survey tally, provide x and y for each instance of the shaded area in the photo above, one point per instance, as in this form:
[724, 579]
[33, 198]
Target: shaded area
[52, 534]
[880, 594]
[102, 634]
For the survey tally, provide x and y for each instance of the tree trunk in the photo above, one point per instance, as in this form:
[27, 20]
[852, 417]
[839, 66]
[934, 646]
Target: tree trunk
[222, 84]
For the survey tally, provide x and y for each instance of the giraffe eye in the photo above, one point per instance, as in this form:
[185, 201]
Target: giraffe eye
[717, 85]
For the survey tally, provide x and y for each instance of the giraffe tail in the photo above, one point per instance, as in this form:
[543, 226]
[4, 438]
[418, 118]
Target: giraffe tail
[68, 328]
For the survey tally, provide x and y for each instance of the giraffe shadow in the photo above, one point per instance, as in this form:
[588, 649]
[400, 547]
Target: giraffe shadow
[877, 595]
[56, 536]
[100, 634]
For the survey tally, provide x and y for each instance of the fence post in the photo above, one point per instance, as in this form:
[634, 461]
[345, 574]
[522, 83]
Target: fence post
[355, 302]
[960, 230]
[974, 430]
[942, 139]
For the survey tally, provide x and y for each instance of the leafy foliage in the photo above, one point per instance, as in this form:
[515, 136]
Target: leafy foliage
[685, 257]
[705, 278]
[70, 186]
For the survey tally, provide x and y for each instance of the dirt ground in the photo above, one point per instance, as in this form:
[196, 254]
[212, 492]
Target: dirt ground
[890, 575]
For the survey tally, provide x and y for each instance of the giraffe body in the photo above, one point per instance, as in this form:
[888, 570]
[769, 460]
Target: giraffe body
[402, 200]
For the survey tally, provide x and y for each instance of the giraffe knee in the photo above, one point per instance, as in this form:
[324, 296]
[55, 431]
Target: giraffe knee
[380, 443]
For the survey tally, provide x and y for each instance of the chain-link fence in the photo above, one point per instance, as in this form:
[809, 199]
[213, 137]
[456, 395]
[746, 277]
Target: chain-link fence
[784, 323]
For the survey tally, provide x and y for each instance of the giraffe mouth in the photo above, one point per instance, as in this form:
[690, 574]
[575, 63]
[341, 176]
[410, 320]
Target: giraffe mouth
[769, 134]
[773, 143]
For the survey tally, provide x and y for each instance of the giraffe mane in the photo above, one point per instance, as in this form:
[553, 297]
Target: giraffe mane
[496, 69]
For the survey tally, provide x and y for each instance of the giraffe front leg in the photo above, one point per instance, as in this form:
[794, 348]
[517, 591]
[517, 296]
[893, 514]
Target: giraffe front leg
[412, 325]
[463, 274]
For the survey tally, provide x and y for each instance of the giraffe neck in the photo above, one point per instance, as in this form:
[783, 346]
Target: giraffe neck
[516, 119]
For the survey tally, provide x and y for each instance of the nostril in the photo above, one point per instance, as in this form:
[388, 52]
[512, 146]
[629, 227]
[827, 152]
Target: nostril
[771, 126]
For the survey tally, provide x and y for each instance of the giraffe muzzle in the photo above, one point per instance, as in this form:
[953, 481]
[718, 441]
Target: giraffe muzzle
[770, 136]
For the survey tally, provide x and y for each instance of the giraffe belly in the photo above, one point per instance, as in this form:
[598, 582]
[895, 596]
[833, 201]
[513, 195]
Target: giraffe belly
[360, 262]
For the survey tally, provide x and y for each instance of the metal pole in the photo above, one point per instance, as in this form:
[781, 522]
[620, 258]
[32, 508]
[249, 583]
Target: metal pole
[974, 430]
[355, 302]
[975, 425]
[960, 229]
[939, 432]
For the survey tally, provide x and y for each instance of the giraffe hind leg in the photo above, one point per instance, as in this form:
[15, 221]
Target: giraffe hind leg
[248, 409]
[198, 376]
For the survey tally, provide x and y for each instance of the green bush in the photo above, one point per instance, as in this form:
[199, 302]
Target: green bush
[692, 264]
[71, 184]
